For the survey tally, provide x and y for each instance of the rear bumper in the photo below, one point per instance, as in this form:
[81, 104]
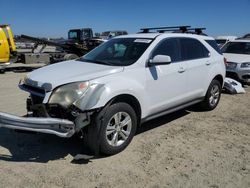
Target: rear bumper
[59, 127]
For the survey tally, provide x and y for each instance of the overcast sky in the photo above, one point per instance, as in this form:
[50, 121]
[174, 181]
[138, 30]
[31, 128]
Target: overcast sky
[52, 18]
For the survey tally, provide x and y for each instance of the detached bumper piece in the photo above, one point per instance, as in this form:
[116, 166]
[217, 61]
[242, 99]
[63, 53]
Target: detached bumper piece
[60, 127]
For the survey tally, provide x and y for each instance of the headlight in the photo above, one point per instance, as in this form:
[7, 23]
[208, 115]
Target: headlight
[231, 65]
[245, 65]
[67, 94]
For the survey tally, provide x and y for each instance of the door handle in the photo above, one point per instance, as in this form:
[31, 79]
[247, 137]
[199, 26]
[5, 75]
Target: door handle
[181, 70]
[208, 62]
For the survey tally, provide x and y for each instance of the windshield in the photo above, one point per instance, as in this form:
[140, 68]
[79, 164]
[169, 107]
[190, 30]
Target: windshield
[118, 52]
[73, 35]
[237, 48]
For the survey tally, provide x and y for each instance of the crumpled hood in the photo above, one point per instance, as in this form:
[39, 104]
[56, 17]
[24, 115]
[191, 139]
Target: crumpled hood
[237, 58]
[69, 71]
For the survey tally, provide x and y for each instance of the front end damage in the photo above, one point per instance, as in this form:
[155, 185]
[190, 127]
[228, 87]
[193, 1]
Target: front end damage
[59, 127]
[53, 118]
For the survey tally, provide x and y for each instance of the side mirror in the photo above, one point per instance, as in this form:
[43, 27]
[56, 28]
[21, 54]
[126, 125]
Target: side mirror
[160, 60]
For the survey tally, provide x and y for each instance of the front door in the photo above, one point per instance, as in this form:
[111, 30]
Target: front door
[166, 84]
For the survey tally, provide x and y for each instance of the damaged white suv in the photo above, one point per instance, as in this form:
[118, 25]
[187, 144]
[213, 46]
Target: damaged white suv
[127, 80]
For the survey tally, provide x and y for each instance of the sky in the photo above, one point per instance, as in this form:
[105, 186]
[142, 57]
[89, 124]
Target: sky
[53, 18]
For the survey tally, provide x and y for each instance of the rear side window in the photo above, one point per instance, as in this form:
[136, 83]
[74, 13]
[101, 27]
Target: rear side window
[214, 45]
[192, 49]
[168, 47]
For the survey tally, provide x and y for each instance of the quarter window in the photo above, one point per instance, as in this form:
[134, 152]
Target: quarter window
[168, 47]
[192, 49]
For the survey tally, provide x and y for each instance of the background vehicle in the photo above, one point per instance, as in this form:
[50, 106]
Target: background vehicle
[237, 53]
[7, 46]
[246, 36]
[79, 42]
[221, 40]
[110, 34]
[128, 80]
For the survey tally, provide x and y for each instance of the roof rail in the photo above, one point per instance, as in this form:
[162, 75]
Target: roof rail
[182, 28]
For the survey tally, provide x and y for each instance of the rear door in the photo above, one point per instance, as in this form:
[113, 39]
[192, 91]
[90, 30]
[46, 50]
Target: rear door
[196, 58]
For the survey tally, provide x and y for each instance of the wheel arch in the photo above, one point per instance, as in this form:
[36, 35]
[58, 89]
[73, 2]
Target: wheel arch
[219, 78]
[131, 100]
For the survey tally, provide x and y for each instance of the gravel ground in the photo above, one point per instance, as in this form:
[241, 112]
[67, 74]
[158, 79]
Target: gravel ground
[183, 149]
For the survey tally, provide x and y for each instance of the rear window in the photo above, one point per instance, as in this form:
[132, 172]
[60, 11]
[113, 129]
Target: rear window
[214, 45]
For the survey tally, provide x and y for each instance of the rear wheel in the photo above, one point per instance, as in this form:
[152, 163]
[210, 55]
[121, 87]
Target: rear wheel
[212, 97]
[117, 124]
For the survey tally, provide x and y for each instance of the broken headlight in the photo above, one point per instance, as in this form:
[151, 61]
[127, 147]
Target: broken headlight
[67, 94]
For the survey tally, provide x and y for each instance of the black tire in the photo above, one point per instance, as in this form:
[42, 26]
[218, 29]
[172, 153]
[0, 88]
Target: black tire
[2, 71]
[206, 104]
[97, 139]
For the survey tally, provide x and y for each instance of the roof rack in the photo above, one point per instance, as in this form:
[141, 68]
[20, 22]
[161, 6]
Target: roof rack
[198, 31]
[182, 28]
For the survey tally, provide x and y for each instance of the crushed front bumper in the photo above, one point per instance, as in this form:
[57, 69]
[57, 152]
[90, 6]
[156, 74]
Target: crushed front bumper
[59, 127]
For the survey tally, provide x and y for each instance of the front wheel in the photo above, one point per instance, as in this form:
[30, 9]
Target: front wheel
[117, 124]
[212, 97]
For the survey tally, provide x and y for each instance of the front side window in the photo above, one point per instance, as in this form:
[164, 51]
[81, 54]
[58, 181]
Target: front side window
[168, 47]
[237, 48]
[192, 49]
[118, 52]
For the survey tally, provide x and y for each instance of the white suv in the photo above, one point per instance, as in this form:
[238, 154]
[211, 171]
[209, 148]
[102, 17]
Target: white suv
[237, 53]
[127, 80]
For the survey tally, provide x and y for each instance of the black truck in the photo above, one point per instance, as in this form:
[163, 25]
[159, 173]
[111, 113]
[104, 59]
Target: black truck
[79, 42]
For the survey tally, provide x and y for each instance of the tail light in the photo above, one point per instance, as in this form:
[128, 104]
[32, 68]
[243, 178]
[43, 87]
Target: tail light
[225, 61]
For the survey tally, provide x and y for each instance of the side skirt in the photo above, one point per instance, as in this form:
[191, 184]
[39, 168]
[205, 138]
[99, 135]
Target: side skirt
[173, 109]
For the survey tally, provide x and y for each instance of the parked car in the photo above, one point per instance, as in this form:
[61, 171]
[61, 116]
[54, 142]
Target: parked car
[110, 34]
[237, 53]
[246, 36]
[221, 40]
[122, 83]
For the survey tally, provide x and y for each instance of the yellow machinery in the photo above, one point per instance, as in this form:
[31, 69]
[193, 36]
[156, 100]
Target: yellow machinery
[7, 45]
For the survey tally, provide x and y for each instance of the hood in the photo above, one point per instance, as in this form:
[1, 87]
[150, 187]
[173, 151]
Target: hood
[69, 71]
[237, 58]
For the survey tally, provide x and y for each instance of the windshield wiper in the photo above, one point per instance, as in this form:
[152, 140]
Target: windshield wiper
[96, 61]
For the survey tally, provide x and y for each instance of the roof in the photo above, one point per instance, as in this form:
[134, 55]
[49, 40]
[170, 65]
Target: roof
[225, 37]
[154, 35]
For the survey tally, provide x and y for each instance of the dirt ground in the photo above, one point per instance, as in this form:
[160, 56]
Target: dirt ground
[184, 149]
